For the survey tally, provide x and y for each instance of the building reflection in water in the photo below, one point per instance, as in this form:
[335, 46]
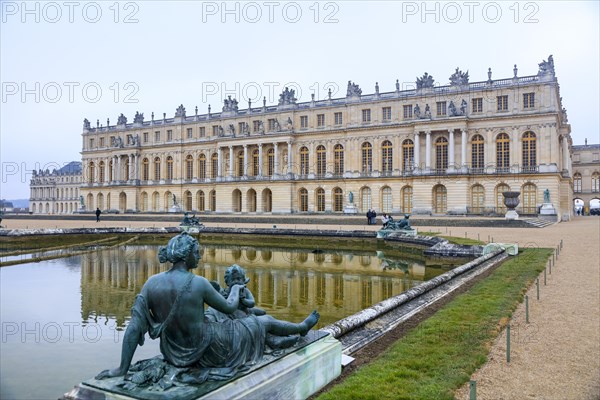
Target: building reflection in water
[288, 284]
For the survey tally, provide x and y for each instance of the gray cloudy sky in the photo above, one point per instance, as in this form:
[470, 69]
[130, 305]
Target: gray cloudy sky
[65, 61]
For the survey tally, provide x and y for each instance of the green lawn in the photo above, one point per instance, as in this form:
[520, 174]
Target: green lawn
[441, 353]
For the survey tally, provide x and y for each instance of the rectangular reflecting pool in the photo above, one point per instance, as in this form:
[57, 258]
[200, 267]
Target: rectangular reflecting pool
[63, 320]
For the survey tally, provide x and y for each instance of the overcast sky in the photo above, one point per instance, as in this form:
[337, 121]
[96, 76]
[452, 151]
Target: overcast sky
[62, 62]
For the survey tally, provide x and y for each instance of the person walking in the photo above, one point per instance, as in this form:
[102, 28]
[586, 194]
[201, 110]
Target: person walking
[369, 217]
[98, 212]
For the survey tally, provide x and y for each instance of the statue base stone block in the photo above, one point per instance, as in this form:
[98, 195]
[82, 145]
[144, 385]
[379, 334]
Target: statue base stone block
[547, 209]
[350, 209]
[511, 214]
[296, 374]
[175, 209]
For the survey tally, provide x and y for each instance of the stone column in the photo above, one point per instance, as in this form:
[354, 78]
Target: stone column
[136, 169]
[428, 151]
[417, 159]
[275, 159]
[119, 168]
[289, 163]
[463, 149]
[231, 161]
[260, 159]
[245, 160]
[130, 167]
[516, 153]
[451, 166]
[565, 146]
[219, 162]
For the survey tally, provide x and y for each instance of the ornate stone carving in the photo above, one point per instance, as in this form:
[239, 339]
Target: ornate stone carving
[287, 97]
[230, 105]
[180, 112]
[353, 90]
[261, 127]
[459, 78]
[427, 113]
[290, 125]
[117, 141]
[245, 129]
[426, 81]
[139, 118]
[231, 129]
[221, 132]
[546, 67]
[453, 112]
[122, 120]
[417, 111]
[86, 124]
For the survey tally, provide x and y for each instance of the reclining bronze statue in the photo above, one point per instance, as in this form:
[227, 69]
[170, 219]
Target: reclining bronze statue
[194, 346]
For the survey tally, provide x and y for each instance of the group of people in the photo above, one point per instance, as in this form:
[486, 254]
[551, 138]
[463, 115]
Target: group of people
[371, 217]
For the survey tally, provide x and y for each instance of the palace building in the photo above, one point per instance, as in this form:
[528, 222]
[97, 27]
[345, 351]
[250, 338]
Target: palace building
[586, 176]
[433, 149]
[56, 192]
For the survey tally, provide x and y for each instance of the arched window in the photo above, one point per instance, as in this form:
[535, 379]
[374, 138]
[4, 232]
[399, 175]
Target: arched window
[110, 171]
[255, 160]
[101, 174]
[386, 156]
[100, 201]
[214, 167]
[236, 200]
[240, 163]
[251, 200]
[92, 172]
[408, 155]
[303, 200]
[267, 200]
[386, 199]
[338, 200]
[169, 167]
[477, 155]
[321, 160]
[187, 200]
[213, 200]
[529, 152]
[440, 198]
[367, 157]
[168, 200]
[189, 167]
[320, 199]
[271, 162]
[304, 161]
[500, 207]
[144, 202]
[365, 199]
[202, 166]
[441, 154]
[577, 183]
[155, 201]
[502, 153]
[477, 199]
[407, 197]
[595, 182]
[338, 159]
[157, 169]
[145, 169]
[529, 198]
[200, 201]
[127, 169]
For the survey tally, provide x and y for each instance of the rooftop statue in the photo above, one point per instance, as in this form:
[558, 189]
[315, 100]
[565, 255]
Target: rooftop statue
[459, 78]
[287, 97]
[122, 120]
[353, 89]
[426, 81]
[139, 118]
[230, 104]
[195, 349]
[546, 67]
[86, 124]
[180, 111]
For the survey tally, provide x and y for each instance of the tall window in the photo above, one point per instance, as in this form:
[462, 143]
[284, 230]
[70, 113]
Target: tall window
[529, 151]
[155, 201]
[477, 157]
[407, 197]
[407, 111]
[320, 199]
[157, 136]
[213, 200]
[321, 160]
[189, 132]
[304, 121]
[441, 154]
[255, 126]
[365, 199]
[255, 159]
[169, 135]
[386, 156]
[500, 207]
[101, 172]
[144, 202]
[187, 196]
[367, 157]
[240, 164]
[320, 120]
[577, 183]
[157, 169]
[145, 169]
[440, 108]
[271, 161]
[202, 166]
[338, 199]
[271, 124]
[386, 114]
[145, 139]
[439, 199]
[303, 200]
[502, 103]
[477, 199]
[595, 182]
[110, 170]
[202, 131]
[169, 167]
[189, 167]
[477, 105]
[366, 115]
[528, 100]
[338, 159]
[303, 160]
[215, 130]
[502, 152]
[200, 201]
[338, 118]
[214, 167]
[408, 155]
[92, 169]
[386, 199]
[529, 198]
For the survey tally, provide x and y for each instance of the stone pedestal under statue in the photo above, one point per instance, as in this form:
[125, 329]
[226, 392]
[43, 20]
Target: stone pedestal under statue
[350, 209]
[547, 209]
[175, 209]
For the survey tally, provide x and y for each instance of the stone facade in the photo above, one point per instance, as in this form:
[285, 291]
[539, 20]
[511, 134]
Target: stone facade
[586, 175]
[56, 192]
[450, 149]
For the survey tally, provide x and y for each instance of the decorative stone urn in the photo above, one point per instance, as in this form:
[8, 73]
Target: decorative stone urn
[511, 201]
